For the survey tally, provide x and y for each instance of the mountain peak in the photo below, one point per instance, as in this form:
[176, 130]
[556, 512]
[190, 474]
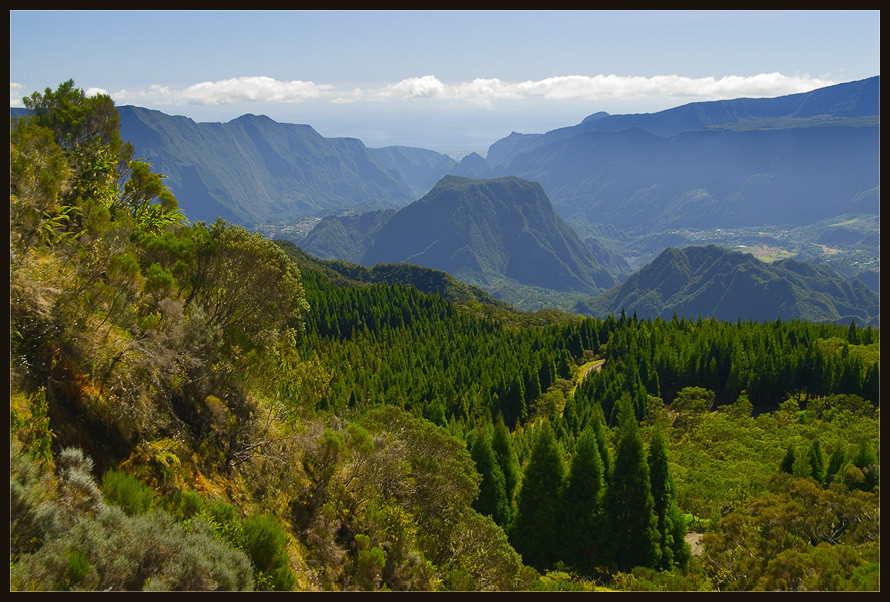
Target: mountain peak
[484, 231]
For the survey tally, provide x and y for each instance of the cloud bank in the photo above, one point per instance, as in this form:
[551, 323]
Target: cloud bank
[478, 92]
[599, 87]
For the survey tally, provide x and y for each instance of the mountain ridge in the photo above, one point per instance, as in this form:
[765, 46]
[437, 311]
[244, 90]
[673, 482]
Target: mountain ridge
[849, 99]
[483, 230]
[732, 285]
[253, 169]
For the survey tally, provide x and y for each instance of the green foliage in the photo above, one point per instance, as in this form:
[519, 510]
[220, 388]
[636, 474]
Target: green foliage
[535, 533]
[583, 523]
[64, 537]
[126, 491]
[671, 522]
[492, 500]
[396, 440]
[502, 445]
[31, 424]
[798, 536]
[39, 177]
[629, 502]
[266, 544]
[113, 551]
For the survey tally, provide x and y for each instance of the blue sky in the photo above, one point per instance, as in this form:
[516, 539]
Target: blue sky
[446, 80]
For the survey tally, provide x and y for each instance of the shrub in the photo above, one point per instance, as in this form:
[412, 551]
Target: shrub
[266, 544]
[126, 491]
[115, 551]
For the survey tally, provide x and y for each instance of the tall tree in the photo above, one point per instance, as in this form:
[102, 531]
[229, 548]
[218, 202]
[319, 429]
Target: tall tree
[492, 499]
[582, 505]
[502, 444]
[629, 502]
[817, 461]
[675, 552]
[598, 423]
[535, 533]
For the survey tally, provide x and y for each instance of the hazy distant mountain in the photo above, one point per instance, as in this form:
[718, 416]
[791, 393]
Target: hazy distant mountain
[253, 169]
[848, 100]
[730, 285]
[795, 159]
[471, 166]
[418, 167]
[482, 231]
[640, 182]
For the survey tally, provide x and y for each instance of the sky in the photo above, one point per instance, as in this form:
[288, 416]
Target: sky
[443, 80]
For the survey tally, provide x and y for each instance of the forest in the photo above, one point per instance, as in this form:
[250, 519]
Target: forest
[194, 406]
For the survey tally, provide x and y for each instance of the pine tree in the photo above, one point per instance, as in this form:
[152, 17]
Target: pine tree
[535, 533]
[492, 499]
[502, 444]
[629, 503]
[582, 505]
[817, 461]
[671, 522]
[835, 464]
[788, 460]
[598, 424]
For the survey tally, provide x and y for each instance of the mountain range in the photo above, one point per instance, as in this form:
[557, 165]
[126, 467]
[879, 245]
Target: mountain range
[730, 285]
[793, 159]
[630, 185]
[253, 169]
[842, 101]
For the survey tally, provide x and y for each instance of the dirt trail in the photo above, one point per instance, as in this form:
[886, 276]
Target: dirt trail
[597, 365]
[694, 541]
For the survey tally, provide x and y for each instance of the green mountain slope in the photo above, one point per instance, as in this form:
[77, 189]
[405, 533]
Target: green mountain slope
[730, 285]
[483, 231]
[426, 280]
[345, 237]
[253, 169]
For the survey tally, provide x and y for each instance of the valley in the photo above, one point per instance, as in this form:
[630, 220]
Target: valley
[854, 243]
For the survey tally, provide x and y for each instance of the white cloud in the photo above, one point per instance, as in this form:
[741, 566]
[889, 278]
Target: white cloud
[229, 91]
[600, 87]
[478, 92]
[95, 91]
[16, 93]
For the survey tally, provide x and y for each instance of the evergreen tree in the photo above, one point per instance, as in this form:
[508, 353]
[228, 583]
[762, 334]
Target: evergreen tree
[629, 503]
[817, 461]
[871, 386]
[598, 423]
[671, 522]
[535, 533]
[835, 464]
[492, 499]
[582, 505]
[787, 464]
[502, 444]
